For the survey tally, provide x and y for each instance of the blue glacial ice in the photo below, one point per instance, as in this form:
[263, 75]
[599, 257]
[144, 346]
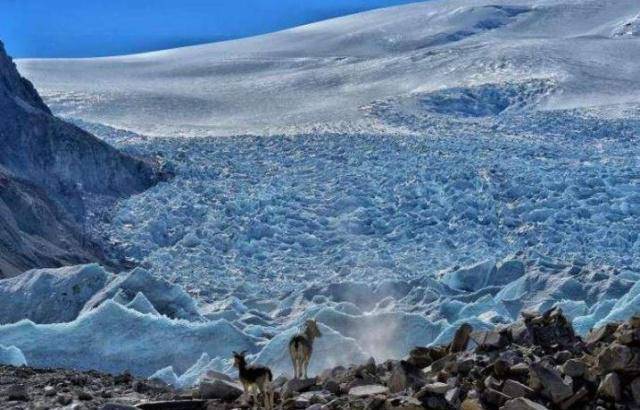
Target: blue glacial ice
[381, 320]
[12, 356]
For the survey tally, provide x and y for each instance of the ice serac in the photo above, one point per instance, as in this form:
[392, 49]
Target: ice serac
[52, 174]
[113, 338]
[12, 356]
[50, 295]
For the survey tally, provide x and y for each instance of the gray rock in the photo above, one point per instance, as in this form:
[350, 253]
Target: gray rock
[461, 338]
[452, 396]
[49, 169]
[521, 403]
[85, 395]
[610, 387]
[471, 404]
[494, 397]
[64, 399]
[368, 390]
[331, 386]
[116, 406]
[212, 374]
[601, 334]
[174, 405]
[574, 368]
[436, 388]
[578, 396]
[219, 389]
[492, 339]
[297, 386]
[552, 329]
[404, 403]
[615, 357]
[404, 376]
[16, 392]
[519, 369]
[422, 357]
[514, 389]
[635, 390]
[552, 384]
[49, 391]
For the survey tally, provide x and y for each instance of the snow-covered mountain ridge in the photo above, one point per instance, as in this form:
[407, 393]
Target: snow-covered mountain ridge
[319, 77]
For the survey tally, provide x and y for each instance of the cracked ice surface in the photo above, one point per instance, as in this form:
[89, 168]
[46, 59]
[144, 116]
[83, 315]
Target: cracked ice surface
[280, 211]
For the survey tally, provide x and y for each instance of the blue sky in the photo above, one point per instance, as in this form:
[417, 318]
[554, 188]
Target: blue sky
[86, 28]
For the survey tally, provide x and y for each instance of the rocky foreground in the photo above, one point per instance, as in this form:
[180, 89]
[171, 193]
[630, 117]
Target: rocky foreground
[536, 363]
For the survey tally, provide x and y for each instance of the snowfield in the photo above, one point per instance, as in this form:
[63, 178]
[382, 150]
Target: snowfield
[392, 174]
[318, 78]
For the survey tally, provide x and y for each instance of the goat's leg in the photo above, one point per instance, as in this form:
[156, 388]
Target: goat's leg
[295, 364]
[305, 364]
[298, 373]
[265, 390]
[272, 403]
[300, 367]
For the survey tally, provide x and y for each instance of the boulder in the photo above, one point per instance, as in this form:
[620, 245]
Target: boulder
[403, 376]
[494, 397]
[577, 397]
[493, 339]
[627, 335]
[422, 357]
[615, 357]
[331, 386]
[519, 369]
[515, 389]
[601, 334]
[635, 390]
[471, 404]
[452, 396]
[174, 405]
[219, 389]
[550, 382]
[521, 403]
[610, 387]
[403, 403]
[368, 390]
[117, 406]
[297, 386]
[552, 329]
[436, 388]
[461, 338]
[574, 368]
[16, 392]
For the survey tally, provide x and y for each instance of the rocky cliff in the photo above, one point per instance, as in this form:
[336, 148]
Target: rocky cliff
[52, 174]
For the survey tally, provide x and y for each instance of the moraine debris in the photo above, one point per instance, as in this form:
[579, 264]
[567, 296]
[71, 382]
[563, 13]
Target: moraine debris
[536, 363]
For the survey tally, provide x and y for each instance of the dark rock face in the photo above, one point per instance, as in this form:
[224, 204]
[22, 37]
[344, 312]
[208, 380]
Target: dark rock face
[36, 232]
[51, 174]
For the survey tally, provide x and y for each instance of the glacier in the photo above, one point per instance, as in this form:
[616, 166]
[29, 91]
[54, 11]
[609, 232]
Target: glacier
[383, 320]
[12, 356]
[391, 174]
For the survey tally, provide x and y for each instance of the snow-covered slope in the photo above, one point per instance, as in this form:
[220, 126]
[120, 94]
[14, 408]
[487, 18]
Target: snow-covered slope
[321, 76]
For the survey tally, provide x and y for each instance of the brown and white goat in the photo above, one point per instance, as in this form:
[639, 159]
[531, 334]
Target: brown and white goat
[254, 379]
[301, 347]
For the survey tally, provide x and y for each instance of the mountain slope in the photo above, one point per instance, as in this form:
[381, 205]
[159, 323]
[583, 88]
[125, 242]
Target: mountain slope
[51, 173]
[324, 76]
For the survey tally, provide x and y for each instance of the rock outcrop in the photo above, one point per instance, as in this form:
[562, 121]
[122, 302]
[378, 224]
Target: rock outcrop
[52, 176]
[559, 371]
